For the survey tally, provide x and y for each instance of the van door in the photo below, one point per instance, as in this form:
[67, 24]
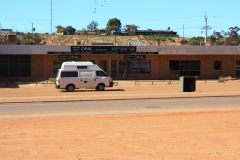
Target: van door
[87, 79]
[102, 77]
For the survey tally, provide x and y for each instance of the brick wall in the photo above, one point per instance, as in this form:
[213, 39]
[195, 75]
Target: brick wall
[207, 61]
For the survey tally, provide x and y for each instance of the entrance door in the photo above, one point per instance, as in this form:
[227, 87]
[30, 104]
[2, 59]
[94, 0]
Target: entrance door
[103, 65]
[217, 69]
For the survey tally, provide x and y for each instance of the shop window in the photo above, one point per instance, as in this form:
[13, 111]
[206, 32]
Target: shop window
[134, 67]
[184, 68]
[3, 59]
[3, 70]
[56, 65]
[13, 59]
[15, 66]
[25, 70]
[25, 59]
[14, 70]
[238, 68]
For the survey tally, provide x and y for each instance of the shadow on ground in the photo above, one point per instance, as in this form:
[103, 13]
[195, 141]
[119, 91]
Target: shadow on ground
[9, 84]
[107, 90]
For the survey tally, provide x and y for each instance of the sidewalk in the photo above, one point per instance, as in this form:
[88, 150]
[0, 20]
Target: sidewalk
[124, 90]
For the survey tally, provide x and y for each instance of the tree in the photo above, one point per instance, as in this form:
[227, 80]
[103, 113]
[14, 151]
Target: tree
[212, 39]
[196, 41]
[233, 38]
[60, 29]
[69, 30]
[183, 41]
[113, 24]
[84, 31]
[92, 26]
[130, 28]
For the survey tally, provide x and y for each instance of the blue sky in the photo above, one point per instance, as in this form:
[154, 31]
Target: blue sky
[147, 14]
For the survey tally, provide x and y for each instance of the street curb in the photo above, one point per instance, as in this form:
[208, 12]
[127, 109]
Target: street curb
[42, 101]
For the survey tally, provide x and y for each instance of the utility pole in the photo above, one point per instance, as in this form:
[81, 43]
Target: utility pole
[206, 28]
[183, 31]
[51, 17]
[32, 28]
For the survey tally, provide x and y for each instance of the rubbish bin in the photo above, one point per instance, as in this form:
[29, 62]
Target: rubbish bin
[187, 84]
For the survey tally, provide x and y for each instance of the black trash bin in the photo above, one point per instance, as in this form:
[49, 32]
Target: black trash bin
[187, 84]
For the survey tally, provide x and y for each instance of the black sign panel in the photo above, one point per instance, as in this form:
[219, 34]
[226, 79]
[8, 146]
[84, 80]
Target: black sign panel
[113, 68]
[134, 57]
[147, 52]
[69, 57]
[103, 49]
[60, 53]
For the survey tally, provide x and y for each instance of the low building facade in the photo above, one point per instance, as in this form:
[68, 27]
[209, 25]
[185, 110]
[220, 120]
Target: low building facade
[41, 62]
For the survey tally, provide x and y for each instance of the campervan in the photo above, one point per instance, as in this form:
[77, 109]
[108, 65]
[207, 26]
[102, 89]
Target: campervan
[75, 75]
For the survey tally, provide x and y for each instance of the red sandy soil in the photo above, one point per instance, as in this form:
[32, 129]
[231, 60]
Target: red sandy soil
[170, 136]
[208, 135]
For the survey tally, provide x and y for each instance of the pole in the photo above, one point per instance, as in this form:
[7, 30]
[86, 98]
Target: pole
[206, 27]
[32, 28]
[183, 31]
[110, 67]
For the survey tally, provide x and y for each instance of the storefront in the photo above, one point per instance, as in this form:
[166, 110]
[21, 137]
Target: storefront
[40, 62]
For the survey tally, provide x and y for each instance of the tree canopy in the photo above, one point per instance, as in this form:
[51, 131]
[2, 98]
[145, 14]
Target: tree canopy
[92, 26]
[130, 28]
[69, 30]
[114, 25]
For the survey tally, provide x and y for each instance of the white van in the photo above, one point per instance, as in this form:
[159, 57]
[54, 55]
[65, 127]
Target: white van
[75, 75]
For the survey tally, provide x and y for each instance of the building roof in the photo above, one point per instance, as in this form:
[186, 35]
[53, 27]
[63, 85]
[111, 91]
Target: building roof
[133, 43]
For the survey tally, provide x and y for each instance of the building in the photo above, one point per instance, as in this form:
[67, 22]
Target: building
[40, 62]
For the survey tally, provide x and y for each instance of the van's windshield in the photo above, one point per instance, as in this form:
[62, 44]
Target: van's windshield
[101, 74]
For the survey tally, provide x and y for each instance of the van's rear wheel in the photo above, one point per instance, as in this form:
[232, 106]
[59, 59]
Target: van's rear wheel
[70, 88]
[100, 87]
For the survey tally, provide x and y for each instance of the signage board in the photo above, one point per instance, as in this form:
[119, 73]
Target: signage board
[69, 57]
[134, 57]
[60, 53]
[103, 49]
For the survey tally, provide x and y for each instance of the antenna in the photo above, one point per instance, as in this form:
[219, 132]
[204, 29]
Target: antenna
[206, 28]
[51, 17]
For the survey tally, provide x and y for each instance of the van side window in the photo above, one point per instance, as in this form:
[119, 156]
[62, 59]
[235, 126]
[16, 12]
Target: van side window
[101, 74]
[81, 67]
[69, 74]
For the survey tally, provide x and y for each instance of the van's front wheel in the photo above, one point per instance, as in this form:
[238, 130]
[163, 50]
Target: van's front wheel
[70, 88]
[100, 87]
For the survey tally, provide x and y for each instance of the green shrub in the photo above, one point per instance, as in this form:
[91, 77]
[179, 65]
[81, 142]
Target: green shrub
[170, 39]
[52, 80]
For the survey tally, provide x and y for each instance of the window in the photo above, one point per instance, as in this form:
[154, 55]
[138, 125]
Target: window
[217, 65]
[15, 66]
[238, 67]
[86, 74]
[69, 74]
[81, 67]
[134, 67]
[184, 68]
[101, 74]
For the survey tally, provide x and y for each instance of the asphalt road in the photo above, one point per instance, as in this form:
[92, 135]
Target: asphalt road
[19, 110]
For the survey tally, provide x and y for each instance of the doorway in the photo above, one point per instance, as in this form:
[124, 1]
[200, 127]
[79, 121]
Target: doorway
[103, 65]
[217, 69]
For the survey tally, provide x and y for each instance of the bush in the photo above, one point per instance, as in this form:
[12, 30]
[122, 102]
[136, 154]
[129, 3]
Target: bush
[170, 39]
[51, 80]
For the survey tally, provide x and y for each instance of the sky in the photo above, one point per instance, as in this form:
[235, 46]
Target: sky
[186, 17]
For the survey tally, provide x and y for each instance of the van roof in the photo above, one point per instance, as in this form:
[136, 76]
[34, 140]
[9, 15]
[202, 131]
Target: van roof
[77, 63]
